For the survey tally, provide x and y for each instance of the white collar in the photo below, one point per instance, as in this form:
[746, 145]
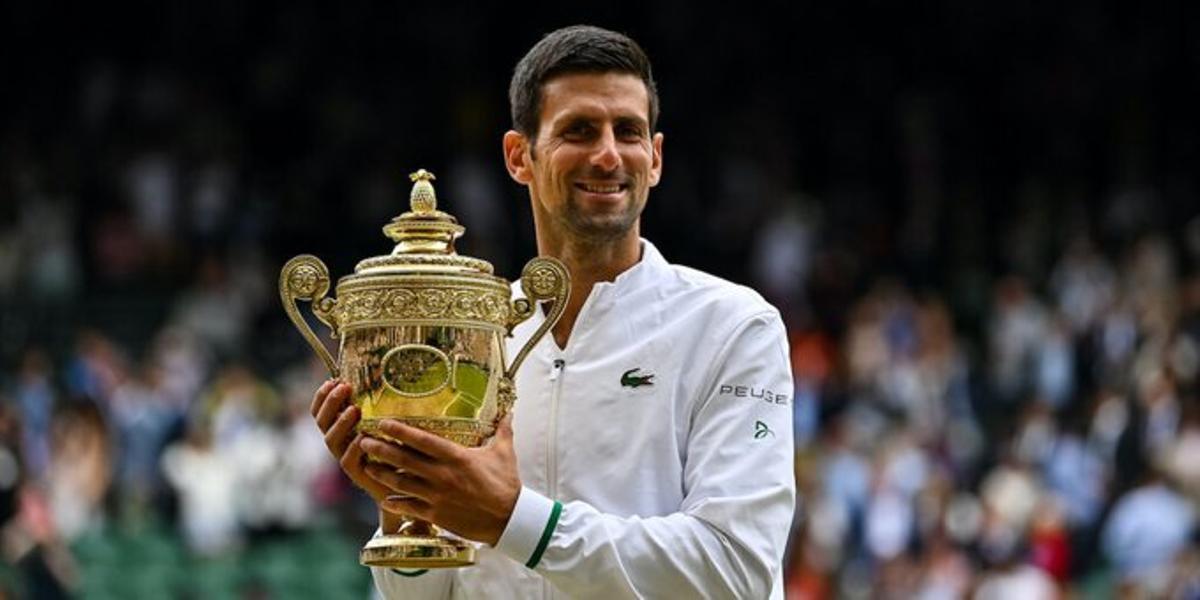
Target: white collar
[644, 272]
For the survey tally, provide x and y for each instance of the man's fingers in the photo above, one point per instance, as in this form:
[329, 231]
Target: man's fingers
[332, 406]
[401, 484]
[399, 457]
[428, 443]
[351, 459]
[319, 396]
[338, 436]
[407, 506]
[504, 430]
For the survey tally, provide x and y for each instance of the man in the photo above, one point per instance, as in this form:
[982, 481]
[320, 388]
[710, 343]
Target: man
[650, 450]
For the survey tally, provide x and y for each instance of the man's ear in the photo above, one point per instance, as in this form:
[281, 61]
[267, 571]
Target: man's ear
[656, 160]
[516, 157]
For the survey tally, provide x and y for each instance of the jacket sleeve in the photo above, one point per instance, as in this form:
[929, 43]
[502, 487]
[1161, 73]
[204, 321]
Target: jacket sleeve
[727, 539]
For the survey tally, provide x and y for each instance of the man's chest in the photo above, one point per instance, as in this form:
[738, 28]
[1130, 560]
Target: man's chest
[606, 423]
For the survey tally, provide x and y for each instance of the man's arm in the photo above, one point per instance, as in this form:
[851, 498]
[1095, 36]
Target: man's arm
[728, 538]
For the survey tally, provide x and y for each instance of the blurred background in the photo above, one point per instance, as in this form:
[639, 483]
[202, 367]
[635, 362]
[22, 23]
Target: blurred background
[980, 220]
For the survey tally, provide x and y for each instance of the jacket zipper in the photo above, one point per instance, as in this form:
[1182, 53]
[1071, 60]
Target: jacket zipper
[552, 431]
[552, 435]
[551, 454]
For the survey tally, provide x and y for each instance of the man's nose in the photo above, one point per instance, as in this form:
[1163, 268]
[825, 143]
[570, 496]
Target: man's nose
[606, 156]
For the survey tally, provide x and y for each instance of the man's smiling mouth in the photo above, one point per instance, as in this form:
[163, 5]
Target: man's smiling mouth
[601, 188]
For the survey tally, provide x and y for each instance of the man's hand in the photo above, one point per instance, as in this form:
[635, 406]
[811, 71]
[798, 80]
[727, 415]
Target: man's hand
[470, 491]
[336, 416]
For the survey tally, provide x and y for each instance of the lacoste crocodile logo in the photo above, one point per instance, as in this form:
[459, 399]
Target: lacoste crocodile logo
[630, 379]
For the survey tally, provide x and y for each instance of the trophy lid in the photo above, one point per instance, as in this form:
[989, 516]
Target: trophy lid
[424, 238]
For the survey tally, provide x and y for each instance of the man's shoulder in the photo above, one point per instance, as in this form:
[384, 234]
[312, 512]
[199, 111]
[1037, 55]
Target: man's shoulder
[703, 287]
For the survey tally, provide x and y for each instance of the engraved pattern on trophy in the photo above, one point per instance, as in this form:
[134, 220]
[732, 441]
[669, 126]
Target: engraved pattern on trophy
[363, 308]
[543, 280]
[305, 279]
[470, 370]
[422, 341]
[416, 370]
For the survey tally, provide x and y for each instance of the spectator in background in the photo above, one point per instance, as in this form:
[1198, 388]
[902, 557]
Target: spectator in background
[206, 481]
[237, 402]
[1148, 529]
[1017, 325]
[1076, 473]
[52, 271]
[186, 364]
[1011, 578]
[32, 545]
[152, 185]
[80, 470]
[1180, 458]
[215, 310]
[1083, 285]
[96, 369]
[143, 418]
[36, 400]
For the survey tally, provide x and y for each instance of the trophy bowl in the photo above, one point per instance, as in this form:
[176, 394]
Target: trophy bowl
[421, 340]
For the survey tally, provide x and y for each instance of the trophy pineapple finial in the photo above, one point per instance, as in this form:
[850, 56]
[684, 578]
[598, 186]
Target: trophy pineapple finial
[423, 229]
[422, 199]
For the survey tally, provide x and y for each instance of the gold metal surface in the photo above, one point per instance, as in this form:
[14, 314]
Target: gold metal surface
[420, 337]
[306, 278]
[416, 552]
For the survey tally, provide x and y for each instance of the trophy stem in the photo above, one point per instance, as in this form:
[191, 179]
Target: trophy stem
[417, 545]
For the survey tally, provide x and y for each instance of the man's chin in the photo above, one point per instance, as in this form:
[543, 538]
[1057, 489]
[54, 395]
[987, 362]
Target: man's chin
[602, 229]
[601, 223]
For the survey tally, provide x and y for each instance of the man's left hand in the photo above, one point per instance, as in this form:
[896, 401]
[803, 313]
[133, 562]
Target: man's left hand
[469, 491]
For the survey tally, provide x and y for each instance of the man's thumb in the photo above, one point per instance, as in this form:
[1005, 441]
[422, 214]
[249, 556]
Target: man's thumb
[504, 430]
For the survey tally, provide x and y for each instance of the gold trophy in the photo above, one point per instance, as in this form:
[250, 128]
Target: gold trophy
[421, 340]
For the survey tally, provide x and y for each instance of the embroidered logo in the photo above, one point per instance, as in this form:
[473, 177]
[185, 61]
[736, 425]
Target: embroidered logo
[761, 430]
[631, 379]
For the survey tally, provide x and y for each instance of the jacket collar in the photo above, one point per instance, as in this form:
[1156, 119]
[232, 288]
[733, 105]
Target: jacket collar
[646, 271]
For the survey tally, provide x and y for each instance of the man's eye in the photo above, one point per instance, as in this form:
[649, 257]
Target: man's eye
[576, 131]
[630, 133]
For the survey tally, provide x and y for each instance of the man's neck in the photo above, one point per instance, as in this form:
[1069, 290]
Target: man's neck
[589, 264]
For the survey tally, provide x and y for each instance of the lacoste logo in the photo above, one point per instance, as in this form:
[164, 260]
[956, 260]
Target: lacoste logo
[630, 379]
[761, 430]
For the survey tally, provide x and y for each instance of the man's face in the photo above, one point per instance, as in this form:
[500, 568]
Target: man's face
[595, 159]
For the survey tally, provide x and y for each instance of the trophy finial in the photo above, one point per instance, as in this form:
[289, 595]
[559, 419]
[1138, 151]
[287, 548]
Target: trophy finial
[422, 199]
[423, 229]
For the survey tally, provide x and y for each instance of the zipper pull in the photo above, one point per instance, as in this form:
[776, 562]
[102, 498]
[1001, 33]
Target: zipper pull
[558, 367]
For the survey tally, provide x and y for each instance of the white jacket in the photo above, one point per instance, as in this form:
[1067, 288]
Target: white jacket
[655, 451]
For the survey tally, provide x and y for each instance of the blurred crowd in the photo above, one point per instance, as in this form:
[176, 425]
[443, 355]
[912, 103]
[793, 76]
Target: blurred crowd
[1056, 452]
[993, 297]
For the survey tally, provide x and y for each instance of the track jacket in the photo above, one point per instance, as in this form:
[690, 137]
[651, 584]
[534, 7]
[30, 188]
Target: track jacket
[655, 451]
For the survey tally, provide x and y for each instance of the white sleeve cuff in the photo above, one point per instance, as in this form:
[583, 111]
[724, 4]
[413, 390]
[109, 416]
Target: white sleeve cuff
[529, 528]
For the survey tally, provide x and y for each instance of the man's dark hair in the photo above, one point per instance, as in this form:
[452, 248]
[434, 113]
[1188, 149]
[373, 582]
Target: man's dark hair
[575, 49]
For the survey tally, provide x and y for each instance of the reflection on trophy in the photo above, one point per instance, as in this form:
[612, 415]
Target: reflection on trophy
[421, 340]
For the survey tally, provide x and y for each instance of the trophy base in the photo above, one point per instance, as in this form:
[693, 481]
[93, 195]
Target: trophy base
[416, 552]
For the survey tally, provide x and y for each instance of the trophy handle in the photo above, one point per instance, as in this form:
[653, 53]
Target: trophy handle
[543, 278]
[306, 278]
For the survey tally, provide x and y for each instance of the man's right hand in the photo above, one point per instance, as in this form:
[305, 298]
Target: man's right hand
[336, 416]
